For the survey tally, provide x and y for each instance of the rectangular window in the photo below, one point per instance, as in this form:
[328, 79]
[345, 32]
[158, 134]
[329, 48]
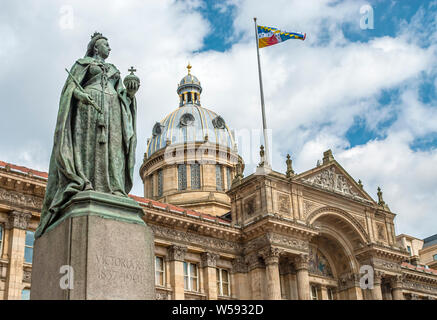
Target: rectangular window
[182, 177]
[159, 271]
[28, 246]
[219, 177]
[409, 250]
[1, 239]
[223, 283]
[314, 293]
[25, 294]
[191, 277]
[160, 183]
[152, 193]
[228, 177]
[195, 176]
[189, 96]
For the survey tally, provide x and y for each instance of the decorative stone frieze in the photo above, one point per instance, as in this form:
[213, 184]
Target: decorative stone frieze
[18, 219]
[176, 253]
[419, 286]
[191, 238]
[287, 241]
[208, 259]
[20, 199]
[386, 265]
[301, 262]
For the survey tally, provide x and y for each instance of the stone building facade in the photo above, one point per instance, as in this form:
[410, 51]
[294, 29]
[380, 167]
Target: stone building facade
[220, 235]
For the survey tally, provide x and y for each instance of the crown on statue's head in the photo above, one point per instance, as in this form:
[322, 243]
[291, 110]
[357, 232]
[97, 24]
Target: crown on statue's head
[96, 34]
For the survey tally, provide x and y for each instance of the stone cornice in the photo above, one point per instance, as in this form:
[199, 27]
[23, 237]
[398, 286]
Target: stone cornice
[381, 251]
[278, 223]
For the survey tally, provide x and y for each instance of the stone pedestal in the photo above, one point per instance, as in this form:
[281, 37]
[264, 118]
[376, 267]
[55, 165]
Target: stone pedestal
[106, 244]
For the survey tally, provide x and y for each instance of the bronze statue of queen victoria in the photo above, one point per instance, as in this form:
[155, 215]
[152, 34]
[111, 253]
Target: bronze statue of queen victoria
[95, 137]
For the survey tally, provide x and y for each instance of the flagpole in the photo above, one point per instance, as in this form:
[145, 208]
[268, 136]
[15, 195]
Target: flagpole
[266, 142]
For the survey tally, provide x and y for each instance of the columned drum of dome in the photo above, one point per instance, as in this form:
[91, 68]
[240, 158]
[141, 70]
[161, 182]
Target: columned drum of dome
[199, 139]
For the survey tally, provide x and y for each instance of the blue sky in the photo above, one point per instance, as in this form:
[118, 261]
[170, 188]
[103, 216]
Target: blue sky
[369, 95]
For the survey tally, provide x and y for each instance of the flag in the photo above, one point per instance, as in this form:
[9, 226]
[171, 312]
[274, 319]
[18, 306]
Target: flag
[268, 36]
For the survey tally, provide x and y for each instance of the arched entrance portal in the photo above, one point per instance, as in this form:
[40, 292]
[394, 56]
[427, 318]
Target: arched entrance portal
[333, 269]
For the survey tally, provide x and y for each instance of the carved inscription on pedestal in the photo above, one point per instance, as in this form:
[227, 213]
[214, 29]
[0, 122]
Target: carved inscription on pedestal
[120, 269]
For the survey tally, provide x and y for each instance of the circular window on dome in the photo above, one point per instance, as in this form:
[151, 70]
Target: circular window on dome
[187, 119]
[157, 129]
[218, 122]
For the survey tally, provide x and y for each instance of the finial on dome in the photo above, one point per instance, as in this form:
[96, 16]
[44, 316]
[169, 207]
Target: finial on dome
[189, 68]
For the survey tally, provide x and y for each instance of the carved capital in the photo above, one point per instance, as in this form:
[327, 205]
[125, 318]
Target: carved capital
[253, 261]
[18, 220]
[209, 259]
[396, 281]
[301, 262]
[377, 277]
[270, 255]
[176, 253]
[239, 265]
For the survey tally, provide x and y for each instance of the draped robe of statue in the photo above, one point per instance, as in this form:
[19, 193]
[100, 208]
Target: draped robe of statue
[91, 151]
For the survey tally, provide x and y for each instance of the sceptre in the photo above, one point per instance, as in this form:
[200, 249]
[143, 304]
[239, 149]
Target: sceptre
[81, 89]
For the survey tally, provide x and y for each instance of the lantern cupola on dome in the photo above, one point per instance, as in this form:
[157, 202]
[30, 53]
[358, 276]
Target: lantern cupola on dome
[189, 89]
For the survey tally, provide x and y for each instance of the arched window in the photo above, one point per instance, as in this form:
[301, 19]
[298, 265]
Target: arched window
[195, 176]
[182, 177]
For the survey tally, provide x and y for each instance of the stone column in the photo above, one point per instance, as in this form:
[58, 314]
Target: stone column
[396, 285]
[16, 225]
[257, 276]
[303, 285]
[208, 264]
[271, 260]
[176, 257]
[240, 286]
[377, 291]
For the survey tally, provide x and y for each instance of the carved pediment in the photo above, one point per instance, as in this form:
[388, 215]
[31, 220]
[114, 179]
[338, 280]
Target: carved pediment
[334, 179]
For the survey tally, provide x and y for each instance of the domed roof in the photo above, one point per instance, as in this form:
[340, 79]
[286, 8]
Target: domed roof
[189, 79]
[190, 123]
